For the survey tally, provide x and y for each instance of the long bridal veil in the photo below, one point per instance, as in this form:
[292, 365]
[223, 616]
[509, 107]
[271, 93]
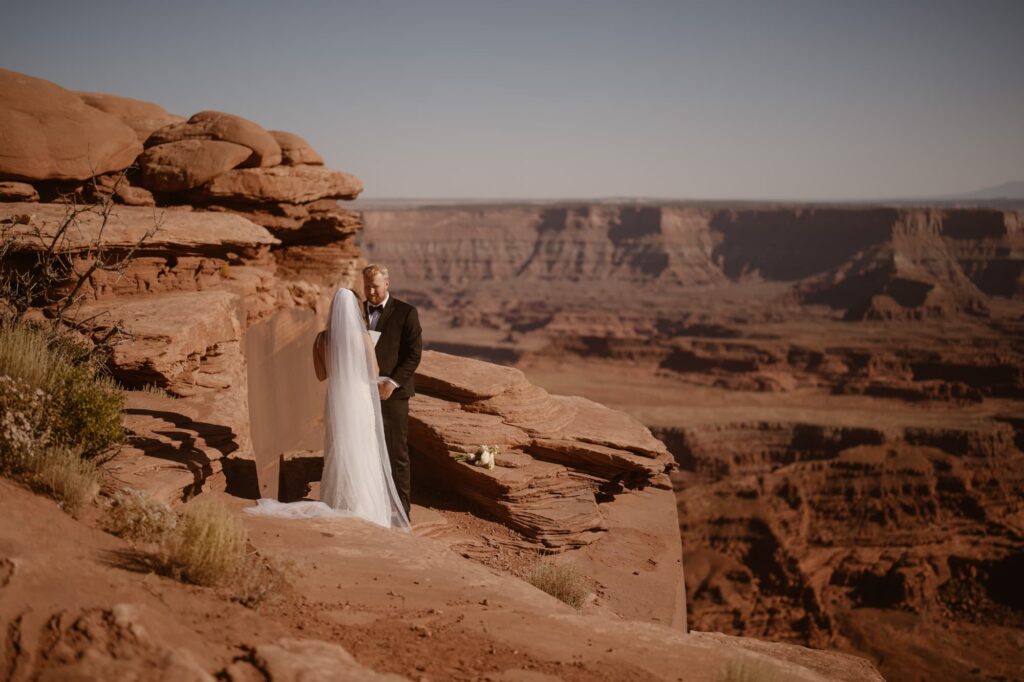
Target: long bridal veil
[357, 477]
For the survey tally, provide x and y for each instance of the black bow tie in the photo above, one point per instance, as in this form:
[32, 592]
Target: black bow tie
[376, 308]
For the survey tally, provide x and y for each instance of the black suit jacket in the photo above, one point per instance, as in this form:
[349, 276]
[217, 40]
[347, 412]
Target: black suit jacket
[400, 345]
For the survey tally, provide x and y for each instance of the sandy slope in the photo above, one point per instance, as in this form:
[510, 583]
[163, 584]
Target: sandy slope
[77, 603]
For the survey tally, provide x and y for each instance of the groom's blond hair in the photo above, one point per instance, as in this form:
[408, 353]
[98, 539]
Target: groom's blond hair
[373, 269]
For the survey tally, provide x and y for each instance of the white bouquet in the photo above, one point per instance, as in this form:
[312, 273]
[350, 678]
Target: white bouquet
[483, 457]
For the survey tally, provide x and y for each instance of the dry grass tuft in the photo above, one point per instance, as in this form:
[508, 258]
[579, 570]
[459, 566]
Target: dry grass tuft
[747, 670]
[257, 579]
[560, 579]
[25, 354]
[68, 478]
[208, 545]
[134, 516]
[153, 389]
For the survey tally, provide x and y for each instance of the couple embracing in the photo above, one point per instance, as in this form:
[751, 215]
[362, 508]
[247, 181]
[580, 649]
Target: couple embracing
[368, 355]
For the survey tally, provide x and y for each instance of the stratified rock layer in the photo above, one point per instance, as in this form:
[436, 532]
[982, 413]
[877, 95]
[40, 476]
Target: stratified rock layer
[557, 453]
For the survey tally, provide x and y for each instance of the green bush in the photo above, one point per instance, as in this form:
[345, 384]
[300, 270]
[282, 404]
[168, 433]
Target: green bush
[90, 409]
[84, 410]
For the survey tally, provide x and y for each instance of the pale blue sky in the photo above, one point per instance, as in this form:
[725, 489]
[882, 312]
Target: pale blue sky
[560, 99]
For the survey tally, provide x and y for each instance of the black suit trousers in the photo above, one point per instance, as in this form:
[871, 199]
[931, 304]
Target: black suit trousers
[395, 415]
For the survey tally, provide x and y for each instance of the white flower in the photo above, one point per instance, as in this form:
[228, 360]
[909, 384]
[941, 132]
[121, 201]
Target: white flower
[485, 456]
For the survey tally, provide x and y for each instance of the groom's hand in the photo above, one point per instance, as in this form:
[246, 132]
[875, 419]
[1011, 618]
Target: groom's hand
[385, 388]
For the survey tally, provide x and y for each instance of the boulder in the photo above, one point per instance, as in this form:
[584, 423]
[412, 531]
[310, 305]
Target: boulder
[134, 196]
[141, 116]
[185, 164]
[281, 184]
[49, 133]
[295, 151]
[120, 188]
[18, 191]
[217, 125]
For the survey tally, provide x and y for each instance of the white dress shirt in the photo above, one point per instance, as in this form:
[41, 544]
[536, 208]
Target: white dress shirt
[374, 316]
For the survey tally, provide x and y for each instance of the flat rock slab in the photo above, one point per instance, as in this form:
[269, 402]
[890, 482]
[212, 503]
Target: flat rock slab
[18, 191]
[281, 184]
[464, 379]
[127, 224]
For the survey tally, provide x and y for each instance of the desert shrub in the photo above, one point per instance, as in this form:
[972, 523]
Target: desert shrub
[256, 579]
[745, 670]
[23, 435]
[207, 546]
[30, 452]
[84, 408]
[561, 580]
[134, 516]
[90, 409]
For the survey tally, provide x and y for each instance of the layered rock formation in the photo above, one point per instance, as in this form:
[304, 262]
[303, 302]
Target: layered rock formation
[558, 454]
[205, 267]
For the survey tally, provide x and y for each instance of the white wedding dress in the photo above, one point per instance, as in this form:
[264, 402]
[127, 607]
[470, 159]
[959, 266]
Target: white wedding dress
[357, 472]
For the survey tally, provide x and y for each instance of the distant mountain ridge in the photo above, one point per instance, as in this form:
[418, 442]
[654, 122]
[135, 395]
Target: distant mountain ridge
[1007, 190]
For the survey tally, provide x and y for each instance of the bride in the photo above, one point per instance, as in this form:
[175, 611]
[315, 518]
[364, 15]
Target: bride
[357, 473]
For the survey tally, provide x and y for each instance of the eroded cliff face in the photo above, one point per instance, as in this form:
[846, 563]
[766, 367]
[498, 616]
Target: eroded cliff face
[841, 387]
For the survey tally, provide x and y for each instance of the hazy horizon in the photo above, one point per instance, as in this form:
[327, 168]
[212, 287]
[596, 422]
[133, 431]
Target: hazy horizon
[555, 100]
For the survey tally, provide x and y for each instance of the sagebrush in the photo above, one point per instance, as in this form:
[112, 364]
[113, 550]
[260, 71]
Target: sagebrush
[132, 515]
[30, 451]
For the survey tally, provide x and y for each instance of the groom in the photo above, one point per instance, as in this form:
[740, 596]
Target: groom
[398, 355]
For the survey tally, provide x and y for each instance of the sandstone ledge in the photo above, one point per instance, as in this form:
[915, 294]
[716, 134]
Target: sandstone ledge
[176, 229]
